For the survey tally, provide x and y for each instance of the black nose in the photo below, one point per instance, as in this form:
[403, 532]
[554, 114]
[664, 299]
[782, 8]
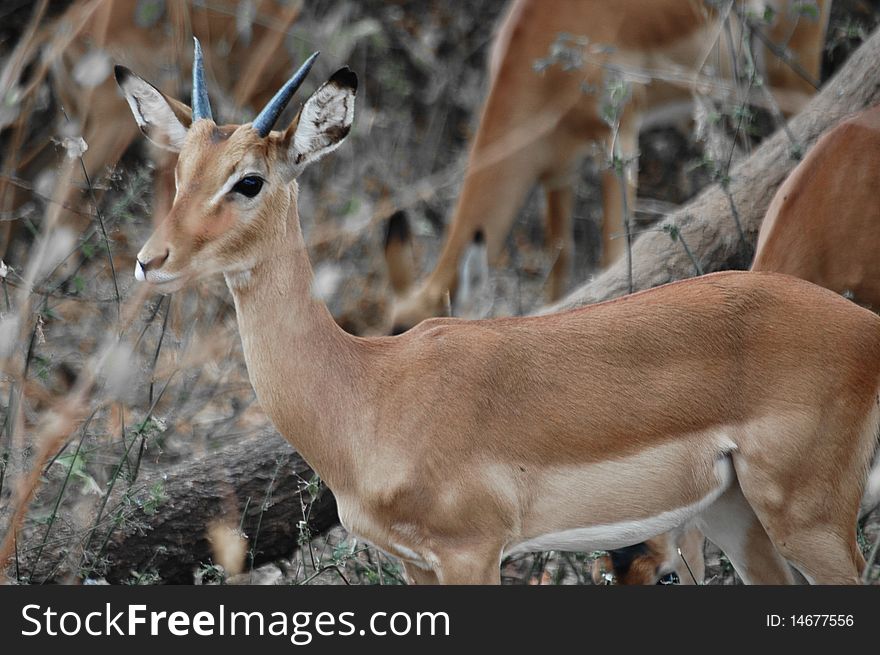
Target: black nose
[155, 262]
[398, 329]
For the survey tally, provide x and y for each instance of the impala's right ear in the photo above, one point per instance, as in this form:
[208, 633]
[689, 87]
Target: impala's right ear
[163, 120]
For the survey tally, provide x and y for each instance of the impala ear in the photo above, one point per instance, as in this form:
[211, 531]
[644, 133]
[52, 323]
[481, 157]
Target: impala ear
[323, 122]
[163, 120]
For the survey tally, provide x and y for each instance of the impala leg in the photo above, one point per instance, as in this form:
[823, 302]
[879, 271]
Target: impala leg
[474, 567]
[560, 235]
[804, 38]
[816, 533]
[613, 239]
[415, 575]
[731, 523]
[822, 553]
[821, 545]
[619, 195]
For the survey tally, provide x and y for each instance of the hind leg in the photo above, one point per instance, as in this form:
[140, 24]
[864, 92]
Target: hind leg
[733, 526]
[619, 189]
[820, 552]
[809, 505]
[560, 237]
[815, 534]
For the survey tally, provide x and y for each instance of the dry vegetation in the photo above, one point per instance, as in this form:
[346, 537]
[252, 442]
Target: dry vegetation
[104, 389]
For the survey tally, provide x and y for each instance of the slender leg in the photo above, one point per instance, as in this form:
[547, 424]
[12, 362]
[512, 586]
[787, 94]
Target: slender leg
[613, 240]
[815, 530]
[820, 544]
[619, 196]
[418, 576]
[560, 237]
[804, 38]
[471, 568]
[731, 523]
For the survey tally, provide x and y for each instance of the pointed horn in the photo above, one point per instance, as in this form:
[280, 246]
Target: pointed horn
[201, 106]
[266, 120]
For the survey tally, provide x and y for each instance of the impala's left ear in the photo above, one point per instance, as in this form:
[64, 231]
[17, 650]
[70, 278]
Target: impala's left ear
[163, 120]
[322, 123]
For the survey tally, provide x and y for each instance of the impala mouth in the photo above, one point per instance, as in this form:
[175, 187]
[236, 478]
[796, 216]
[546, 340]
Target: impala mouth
[163, 282]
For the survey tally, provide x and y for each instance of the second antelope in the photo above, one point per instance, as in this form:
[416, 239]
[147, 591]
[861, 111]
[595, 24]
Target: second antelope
[823, 224]
[745, 402]
[535, 127]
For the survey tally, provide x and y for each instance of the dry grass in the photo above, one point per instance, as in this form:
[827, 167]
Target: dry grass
[99, 382]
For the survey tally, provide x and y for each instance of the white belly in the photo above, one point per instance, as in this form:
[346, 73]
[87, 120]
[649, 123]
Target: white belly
[625, 533]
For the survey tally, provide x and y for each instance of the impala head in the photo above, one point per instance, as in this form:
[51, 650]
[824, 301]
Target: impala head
[234, 182]
[632, 565]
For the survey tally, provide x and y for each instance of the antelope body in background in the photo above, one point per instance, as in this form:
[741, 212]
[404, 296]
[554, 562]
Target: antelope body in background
[823, 224]
[535, 127]
[737, 400]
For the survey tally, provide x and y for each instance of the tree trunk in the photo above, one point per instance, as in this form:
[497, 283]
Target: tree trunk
[706, 225]
[173, 540]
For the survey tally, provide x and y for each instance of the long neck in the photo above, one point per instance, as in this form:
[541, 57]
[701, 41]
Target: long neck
[308, 374]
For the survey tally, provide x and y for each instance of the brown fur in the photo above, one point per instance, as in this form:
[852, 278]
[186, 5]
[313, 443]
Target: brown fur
[535, 128]
[454, 443]
[823, 224]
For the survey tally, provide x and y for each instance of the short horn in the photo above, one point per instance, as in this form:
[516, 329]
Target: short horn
[201, 106]
[264, 122]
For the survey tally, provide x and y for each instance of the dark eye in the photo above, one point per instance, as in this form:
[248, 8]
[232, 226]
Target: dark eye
[248, 186]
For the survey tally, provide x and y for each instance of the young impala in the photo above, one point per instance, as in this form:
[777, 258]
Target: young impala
[744, 401]
[536, 127]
